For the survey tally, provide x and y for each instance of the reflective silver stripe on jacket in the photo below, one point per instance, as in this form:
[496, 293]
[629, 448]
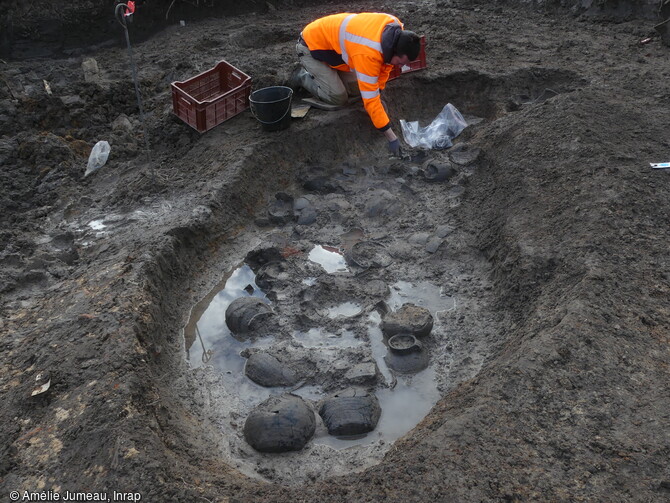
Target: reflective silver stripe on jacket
[367, 95]
[342, 36]
[368, 79]
[396, 19]
[357, 39]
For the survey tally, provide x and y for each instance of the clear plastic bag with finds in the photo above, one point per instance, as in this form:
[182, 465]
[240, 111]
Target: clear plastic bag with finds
[438, 134]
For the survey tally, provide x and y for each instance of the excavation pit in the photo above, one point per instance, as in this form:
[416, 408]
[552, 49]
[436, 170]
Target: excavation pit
[371, 262]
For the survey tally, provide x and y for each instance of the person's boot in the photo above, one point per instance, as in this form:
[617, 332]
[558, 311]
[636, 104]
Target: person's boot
[297, 78]
[300, 78]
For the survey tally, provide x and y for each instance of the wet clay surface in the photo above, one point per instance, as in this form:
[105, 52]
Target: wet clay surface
[551, 241]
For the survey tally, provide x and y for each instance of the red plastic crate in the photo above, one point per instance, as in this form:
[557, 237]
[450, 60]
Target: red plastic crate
[418, 64]
[211, 97]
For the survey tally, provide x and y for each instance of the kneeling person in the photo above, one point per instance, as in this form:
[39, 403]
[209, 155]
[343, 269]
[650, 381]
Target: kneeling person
[344, 56]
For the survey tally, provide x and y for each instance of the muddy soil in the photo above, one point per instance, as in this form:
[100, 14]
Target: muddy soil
[551, 364]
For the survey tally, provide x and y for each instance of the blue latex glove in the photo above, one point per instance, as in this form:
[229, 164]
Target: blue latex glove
[394, 148]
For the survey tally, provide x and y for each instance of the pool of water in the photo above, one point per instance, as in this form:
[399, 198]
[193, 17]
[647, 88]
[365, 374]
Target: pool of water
[207, 338]
[345, 310]
[328, 257]
[320, 338]
[404, 399]
[403, 407]
[421, 293]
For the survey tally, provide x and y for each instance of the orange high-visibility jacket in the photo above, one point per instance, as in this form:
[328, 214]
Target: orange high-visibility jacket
[357, 38]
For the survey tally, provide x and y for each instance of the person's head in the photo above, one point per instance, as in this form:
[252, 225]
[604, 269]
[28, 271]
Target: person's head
[407, 48]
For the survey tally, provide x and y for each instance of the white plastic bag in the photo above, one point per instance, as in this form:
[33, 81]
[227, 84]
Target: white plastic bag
[98, 157]
[438, 134]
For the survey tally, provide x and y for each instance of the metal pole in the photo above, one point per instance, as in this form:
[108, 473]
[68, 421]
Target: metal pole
[122, 21]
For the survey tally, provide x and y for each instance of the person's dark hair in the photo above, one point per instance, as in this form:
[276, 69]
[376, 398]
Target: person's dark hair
[408, 45]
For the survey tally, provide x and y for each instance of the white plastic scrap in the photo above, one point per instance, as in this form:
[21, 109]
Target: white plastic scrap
[98, 157]
[42, 383]
[659, 165]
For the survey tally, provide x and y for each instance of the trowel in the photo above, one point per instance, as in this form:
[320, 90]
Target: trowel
[299, 111]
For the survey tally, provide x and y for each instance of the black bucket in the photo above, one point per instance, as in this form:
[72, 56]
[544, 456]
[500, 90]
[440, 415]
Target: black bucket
[272, 107]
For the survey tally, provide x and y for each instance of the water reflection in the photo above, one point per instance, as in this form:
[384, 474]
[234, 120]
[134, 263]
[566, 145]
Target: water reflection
[402, 409]
[319, 338]
[346, 310]
[378, 346]
[407, 404]
[328, 257]
[404, 399]
[421, 293]
[208, 317]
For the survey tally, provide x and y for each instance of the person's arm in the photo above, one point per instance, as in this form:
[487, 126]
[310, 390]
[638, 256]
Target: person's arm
[368, 70]
[384, 76]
